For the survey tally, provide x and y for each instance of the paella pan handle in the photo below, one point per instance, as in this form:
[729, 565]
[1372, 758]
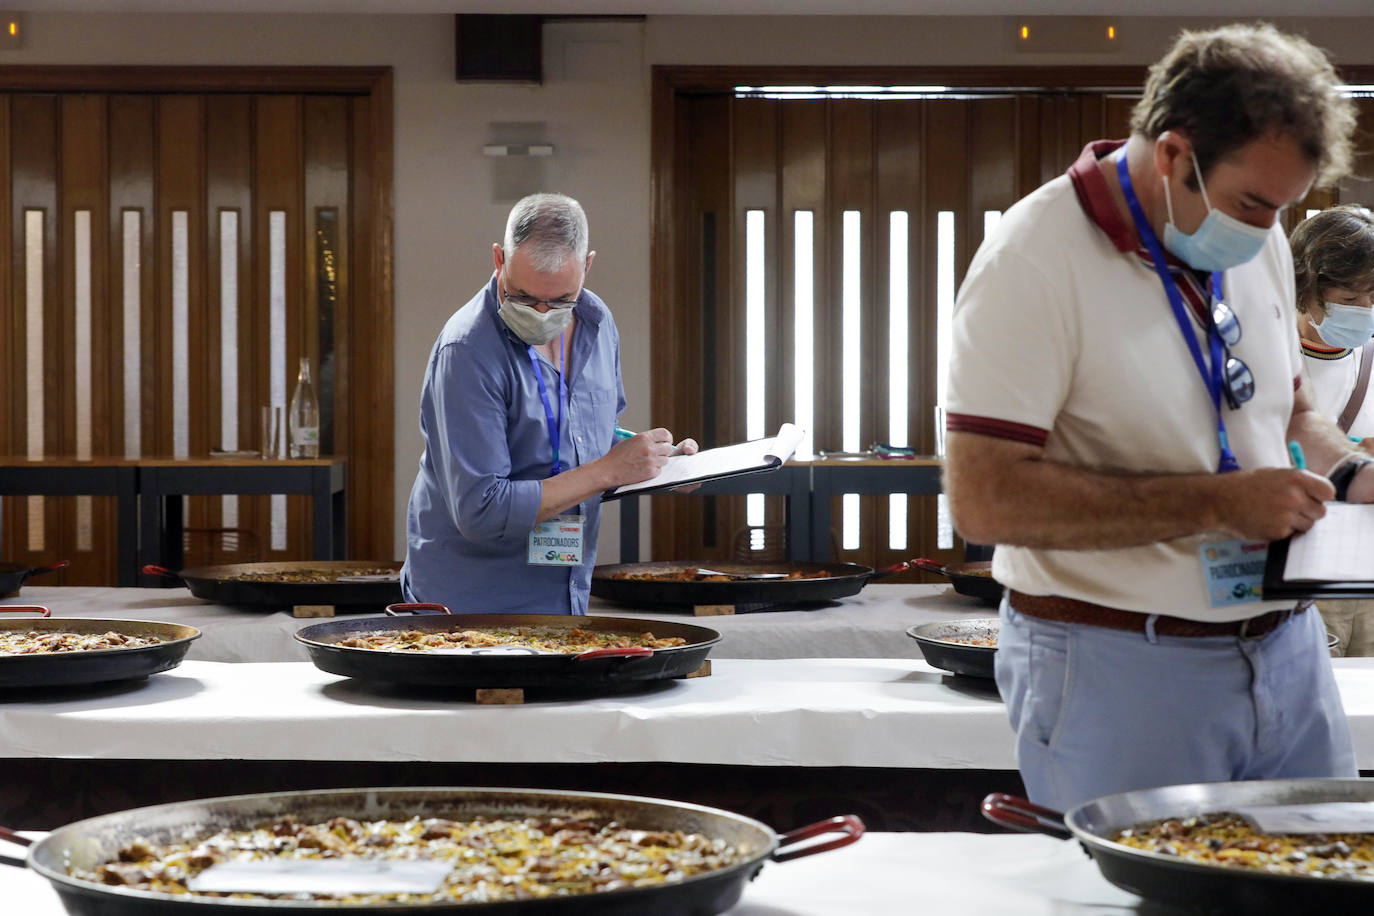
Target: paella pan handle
[934, 566]
[1024, 815]
[154, 570]
[893, 570]
[848, 826]
[24, 608]
[416, 607]
[626, 652]
[40, 570]
[10, 836]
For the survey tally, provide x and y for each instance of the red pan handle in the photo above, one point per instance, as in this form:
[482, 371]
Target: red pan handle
[153, 570]
[848, 826]
[8, 834]
[22, 608]
[893, 570]
[934, 566]
[626, 652]
[1022, 814]
[400, 610]
[39, 570]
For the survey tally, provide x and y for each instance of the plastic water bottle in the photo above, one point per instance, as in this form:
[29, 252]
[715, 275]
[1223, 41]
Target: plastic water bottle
[304, 419]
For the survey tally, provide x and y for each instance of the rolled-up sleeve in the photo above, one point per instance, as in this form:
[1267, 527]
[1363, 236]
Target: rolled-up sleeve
[464, 416]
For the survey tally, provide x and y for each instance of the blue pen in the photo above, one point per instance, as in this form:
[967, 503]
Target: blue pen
[1299, 461]
[622, 433]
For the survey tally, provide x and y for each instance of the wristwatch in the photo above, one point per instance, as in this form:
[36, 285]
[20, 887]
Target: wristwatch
[1344, 473]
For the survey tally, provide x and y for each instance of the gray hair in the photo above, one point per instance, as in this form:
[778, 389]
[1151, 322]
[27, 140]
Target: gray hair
[552, 227]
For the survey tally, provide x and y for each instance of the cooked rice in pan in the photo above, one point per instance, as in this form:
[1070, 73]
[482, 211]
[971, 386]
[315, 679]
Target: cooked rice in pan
[1227, 839]
[493, 860]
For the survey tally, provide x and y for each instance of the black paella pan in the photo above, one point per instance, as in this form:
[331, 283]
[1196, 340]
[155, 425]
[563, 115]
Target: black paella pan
[1193, 886]
[589, 670]
[65, 669]
[750, 583]
[234, 584]
[87, 843]
[14, 575]
[949, 644]
[972, 579]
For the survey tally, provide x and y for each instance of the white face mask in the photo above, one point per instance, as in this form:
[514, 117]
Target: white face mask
[534, 327]
[1346, 325]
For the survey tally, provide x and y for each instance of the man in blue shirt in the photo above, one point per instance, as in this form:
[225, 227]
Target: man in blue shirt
[518, 413]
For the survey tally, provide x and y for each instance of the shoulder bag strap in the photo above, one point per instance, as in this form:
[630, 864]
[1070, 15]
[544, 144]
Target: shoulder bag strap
[1352, 407]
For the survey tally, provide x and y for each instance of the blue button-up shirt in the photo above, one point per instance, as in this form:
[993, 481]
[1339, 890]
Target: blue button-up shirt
[486, 450]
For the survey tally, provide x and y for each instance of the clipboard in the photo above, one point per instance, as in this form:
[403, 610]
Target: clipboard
[753, 457]
[1349, 523]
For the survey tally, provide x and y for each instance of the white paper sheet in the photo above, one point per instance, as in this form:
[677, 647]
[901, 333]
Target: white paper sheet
[1338, 548]
[726, 461]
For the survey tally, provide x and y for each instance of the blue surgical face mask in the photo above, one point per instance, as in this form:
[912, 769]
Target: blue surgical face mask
[1346, 325]
[1220, 243]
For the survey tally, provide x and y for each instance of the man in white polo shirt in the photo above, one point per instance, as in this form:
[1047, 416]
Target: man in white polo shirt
[1118, 424]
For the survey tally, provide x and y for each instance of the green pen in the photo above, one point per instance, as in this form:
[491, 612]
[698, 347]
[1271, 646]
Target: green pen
[1295, 450]
[622, 433]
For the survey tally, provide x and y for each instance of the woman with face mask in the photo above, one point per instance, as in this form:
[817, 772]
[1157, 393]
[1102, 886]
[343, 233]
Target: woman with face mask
[1333, 255]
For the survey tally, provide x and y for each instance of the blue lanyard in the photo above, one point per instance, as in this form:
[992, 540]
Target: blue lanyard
[555, 427]
[1211, 375]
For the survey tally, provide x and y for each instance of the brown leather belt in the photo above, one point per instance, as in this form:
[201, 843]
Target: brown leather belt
[1071, 610]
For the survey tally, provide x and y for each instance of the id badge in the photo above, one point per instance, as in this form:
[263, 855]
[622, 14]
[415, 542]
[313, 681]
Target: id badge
[558, 541]
[1233, 571]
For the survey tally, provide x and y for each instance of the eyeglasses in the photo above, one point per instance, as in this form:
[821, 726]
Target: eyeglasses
[1239, 381]
[531, 302]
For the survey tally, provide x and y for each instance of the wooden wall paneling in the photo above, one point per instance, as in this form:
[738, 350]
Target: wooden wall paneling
[11, 344]
[228, 189]
[370, 375]
[279, 185]
[326, 293]
[33, 157]
[695, 526]
[852, 187]
[805, 186]
[1358, 188]
[132, 166]
[83, 181]
[754, 136]
[180, 186]
[899, 160]
[1117, 116]
[1029, 122]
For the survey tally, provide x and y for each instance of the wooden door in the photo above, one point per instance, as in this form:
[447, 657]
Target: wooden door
[172, 256]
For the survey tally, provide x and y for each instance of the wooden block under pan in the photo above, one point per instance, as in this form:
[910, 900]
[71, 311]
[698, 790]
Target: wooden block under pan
[713, 610]
[500, 696]
[313, 610]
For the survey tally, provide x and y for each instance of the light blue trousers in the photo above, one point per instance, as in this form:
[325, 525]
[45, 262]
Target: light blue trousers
[1098, 711]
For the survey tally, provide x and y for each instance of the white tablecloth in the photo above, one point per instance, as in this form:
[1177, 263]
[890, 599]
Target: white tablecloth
[805, 712]
[760, 712]
[871, 624]
[884, 874]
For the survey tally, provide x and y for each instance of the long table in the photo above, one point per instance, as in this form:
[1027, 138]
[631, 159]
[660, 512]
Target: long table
[884, 874]
[816, 712]
[148, 493]
[71, 477]
[871, 624]
[808, 487]
[749, 712]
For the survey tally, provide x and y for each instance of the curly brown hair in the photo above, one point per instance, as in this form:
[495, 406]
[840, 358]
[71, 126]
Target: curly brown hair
[1225, 87]
[1333, 248]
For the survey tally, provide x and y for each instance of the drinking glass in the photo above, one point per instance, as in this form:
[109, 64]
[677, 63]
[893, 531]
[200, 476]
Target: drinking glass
[271, 443]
